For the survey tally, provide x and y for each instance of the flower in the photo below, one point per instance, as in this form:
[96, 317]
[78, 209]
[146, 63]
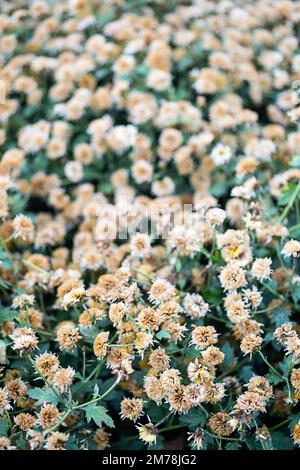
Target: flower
[101, 344]
[232, 276]
[291, 248]
[250, 343]
[4, 401]
[261, 268]
[23, 228]
[24, 340]
[221, 154]
[131, 408]
[48, 416]
[296, 433]
[148, 433]
[204, 336]
[197, 438]
[195, 306]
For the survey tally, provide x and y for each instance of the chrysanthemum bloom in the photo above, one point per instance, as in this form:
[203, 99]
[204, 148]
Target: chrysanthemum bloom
[195, 393]
[5, 444]
[221, 154]
[204, 336]
[4, 401]
[284, 332]
[148, 318]
[142, 341]
[16, 389]
[263, 433]
[131, 408]
[219, 424]
[101, 439]
[195, 306]
[251, 343]
[232, 276]
[170, 380]
[199, 372]
[215, 216]
[24, 340]
[197, 438]
[295, 379]
[260, 385]
[161, 291]
[101, 344]
[179, 400]
[48, 415]
[154, 389]
[252, 298]
[47, 364]
[261, 268]
[296, 433]
[117, 312]
[62, 379]
[35, 439]
[148, 433]
[56, 441]
[73, 297]
[67, 336]
[25, 421]
[159, 360]
[140, 245]
[235, 308]
[291, 248]
[212, 356]
[23, 300]
[23, 228]
[34, 316]
[250, 402]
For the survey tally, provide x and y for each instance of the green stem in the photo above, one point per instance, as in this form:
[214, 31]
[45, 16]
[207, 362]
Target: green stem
[290, 204]
[270, 366]
[94, 400]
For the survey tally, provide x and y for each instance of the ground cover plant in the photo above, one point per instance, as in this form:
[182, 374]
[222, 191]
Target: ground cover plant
[149, 224]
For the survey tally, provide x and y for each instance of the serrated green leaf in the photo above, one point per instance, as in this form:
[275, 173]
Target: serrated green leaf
[98, 414]
[281, 442]
[274, 379]
[43, 395]
[194, 418]
[6, 315]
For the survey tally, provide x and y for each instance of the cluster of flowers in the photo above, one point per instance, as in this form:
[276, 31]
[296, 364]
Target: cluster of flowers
[181, 116]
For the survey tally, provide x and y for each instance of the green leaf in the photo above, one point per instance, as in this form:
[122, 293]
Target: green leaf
[194, 418]
[281, 442]
[212, 296]
[233, 446]
[294, 420]
[43, 395]
[286, 194]
[274, 379]
[6, 315]
[295, 162]
[163, 334]
[98, 414]
[296, 295]
[246, 373]
[4, 427]
[229, 355]
[280, 316]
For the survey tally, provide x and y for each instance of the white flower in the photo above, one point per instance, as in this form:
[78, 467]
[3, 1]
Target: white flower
[221, 154]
